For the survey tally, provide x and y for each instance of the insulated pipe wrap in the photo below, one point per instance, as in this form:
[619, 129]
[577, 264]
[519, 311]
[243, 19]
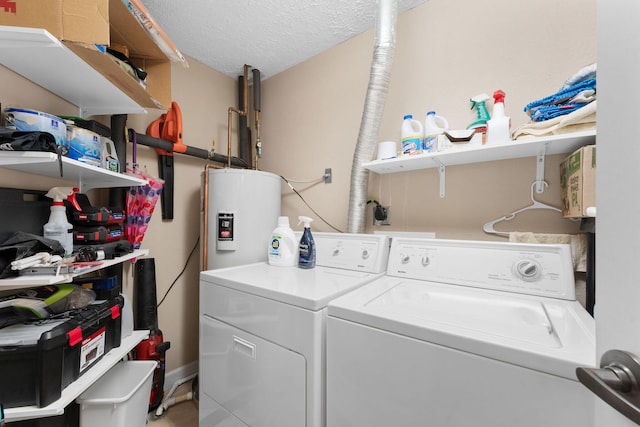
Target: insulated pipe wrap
[379, 78]
[256, 89]
[243, 129]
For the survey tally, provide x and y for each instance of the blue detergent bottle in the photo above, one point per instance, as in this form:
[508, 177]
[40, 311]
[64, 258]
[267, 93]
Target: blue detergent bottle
[307, 247]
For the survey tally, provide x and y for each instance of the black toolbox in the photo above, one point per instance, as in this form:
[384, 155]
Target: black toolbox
[38, 360]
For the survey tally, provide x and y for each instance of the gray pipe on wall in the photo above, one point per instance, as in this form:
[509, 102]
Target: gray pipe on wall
[378, 88]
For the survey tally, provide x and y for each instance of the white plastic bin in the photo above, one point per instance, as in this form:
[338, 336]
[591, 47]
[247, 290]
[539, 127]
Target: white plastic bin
[120, 397]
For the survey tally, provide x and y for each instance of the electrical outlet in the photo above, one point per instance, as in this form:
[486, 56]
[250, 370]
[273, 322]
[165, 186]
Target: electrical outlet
[327, 176]
[386, 219]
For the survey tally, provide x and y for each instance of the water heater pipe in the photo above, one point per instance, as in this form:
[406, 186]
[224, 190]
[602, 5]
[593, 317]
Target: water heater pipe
[242, 112]
[244, 145]
[379, 77]
[256, 109]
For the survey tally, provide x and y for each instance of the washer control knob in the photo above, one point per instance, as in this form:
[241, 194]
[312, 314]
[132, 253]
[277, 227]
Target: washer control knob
[336, 252]
[365, 254]
[528, 270]
[405, 259]
[426, 261]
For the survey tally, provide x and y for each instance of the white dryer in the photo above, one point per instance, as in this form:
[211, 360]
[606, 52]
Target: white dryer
[262, 333]
[459, 334]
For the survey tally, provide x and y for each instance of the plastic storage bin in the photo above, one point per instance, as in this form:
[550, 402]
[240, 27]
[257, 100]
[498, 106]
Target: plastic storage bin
[120, 397]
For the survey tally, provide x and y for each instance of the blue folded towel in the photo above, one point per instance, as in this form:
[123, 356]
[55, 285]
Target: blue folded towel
[546, 112]
[563, 95]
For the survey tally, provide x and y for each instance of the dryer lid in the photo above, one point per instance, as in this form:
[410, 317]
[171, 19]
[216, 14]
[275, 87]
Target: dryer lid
[311, 289]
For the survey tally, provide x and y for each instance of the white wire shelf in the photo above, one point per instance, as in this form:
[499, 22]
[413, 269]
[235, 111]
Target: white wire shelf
[22, 282]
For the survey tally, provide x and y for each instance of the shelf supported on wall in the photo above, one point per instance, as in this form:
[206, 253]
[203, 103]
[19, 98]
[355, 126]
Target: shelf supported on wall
[441, 172]
[540, 169]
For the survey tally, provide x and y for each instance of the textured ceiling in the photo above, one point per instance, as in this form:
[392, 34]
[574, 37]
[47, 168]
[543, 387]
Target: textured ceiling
[271, 35]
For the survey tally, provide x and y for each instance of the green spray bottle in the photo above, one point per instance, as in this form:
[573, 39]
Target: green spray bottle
[479, 103]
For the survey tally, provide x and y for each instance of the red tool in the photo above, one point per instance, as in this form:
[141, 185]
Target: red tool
[154, 348]
[169, 128]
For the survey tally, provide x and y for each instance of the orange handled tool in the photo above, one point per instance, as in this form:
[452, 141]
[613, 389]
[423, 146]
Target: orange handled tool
[169, 128]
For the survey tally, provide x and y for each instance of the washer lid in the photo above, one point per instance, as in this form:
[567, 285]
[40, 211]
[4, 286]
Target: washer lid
[311, 289]
[545, 334]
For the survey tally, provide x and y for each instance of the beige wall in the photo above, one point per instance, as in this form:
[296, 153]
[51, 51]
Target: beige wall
[447, 51]
[204, 95]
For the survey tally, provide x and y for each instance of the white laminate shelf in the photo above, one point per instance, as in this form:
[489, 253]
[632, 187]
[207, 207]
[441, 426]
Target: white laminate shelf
[46, 164]
[38, 56]
[22, 282]
[466, 154]
[75, 389]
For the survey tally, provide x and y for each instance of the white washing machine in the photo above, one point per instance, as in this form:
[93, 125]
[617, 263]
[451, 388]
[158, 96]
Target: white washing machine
[460, 334]
[262, 333]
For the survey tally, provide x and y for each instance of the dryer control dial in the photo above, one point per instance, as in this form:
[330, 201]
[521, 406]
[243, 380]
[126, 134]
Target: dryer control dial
[365, 254]
[528, 270]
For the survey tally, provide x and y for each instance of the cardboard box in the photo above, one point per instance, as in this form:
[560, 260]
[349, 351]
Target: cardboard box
[82, 24]
[84, 21]
[143, 52]
[578, 182]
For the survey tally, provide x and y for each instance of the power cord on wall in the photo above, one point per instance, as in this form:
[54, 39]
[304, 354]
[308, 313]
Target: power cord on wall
[198, 239]
[305, 202]
[379, 212]
[183, 270]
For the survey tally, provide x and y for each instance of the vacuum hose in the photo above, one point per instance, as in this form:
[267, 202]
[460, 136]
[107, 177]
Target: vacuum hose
[372, 116]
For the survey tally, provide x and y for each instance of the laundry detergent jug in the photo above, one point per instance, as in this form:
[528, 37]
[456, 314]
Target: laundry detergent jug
[412, 134]
[434, 126]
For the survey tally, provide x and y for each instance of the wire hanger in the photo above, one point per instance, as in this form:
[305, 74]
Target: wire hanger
[488, 227]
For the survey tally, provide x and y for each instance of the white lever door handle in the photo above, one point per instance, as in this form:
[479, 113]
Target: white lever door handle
[617, 382]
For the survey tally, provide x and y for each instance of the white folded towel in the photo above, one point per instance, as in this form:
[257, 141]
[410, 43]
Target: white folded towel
[580, 120]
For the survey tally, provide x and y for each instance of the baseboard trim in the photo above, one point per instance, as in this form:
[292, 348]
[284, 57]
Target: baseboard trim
[179, 373]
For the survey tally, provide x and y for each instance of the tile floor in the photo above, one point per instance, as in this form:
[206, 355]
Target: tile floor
[184, 414]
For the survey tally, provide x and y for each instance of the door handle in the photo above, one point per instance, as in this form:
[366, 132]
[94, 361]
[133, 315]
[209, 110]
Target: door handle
[244, 347]
[617, 382]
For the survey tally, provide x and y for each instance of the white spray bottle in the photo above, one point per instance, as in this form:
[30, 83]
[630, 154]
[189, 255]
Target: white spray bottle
[58, 228]
[499, 126]
[307, 247]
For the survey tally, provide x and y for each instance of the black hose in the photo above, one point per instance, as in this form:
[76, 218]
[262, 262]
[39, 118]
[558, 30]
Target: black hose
[117, 195]
[118, 124]
[150, 141]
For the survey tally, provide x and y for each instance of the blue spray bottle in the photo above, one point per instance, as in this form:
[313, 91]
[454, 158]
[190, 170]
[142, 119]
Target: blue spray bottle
[307, 247]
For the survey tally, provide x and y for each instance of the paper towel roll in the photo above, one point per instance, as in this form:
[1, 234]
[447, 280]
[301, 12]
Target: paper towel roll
[387, 150]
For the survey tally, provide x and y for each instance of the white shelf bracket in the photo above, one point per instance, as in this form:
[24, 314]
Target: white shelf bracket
[441, 172]
[540, 170]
